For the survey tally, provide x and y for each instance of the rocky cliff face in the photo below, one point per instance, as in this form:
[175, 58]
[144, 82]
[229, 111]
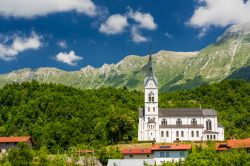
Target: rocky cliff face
[229, 55]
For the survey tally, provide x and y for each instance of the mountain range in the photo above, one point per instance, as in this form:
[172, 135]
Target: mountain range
[227, 58]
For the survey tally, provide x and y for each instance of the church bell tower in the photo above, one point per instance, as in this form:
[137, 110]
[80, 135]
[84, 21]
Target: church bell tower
[151, 103]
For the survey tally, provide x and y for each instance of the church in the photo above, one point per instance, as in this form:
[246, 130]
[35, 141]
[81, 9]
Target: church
[174, 124]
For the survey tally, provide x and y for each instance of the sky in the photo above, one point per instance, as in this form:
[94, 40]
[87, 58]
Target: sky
[71, 34]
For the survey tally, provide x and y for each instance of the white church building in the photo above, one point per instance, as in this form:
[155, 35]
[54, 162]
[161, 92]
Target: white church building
[174, 124]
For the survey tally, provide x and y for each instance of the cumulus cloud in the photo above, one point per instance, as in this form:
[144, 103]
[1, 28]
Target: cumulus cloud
[69, 58]
[135, 20]
[115, 24]
[19, 44]
[137, 37]
[33, 8]
[220, 13]
[62, 44]
[145, 20]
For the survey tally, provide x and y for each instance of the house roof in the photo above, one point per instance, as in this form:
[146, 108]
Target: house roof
[171, 147]
[233, 144]
[240, 143]
[165, 112]
[137, 151]
[86, 151]
[15, 139]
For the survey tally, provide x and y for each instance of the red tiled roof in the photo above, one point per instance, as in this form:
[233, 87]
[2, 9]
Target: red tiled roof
[240, 143]
[172, 147]
[156, 148]
[14, 139]
[86, 151]
[137, 151]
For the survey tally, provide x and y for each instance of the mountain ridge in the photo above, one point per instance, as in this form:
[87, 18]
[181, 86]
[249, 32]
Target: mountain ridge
[175, 70]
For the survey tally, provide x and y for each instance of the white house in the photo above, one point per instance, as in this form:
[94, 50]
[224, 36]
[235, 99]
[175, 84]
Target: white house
[174, 124]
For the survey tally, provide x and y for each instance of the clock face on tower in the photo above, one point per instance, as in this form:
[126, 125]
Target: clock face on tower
[151, 84]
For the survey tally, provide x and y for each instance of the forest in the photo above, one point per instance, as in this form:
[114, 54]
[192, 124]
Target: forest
[60, 117]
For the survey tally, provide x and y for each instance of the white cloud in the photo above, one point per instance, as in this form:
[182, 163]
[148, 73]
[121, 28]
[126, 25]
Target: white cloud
[19, 44]
[33, 8]
[115, 24]
[137, 37]
[145, 20]
[135, 20]
[168, 35]
[62, 44]
[220, 13]
[69, 58]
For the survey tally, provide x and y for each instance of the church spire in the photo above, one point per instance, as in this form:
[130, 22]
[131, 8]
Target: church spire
[150, 67]
[150, 71]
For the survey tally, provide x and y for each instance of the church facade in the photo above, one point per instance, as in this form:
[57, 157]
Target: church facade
[174, 124]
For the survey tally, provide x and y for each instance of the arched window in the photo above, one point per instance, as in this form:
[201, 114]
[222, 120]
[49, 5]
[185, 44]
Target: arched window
[194, 122]
[151, 97]
[178, 122]
[164, 122]
[153, 109]
[208, 125]
[192, 133]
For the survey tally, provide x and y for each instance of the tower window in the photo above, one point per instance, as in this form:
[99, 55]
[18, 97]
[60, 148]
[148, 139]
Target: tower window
[208, 125]
[153, 99]
[178, 122]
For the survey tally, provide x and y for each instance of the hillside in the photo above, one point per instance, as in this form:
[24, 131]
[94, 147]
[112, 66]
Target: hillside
[228, 57]
[60, 117]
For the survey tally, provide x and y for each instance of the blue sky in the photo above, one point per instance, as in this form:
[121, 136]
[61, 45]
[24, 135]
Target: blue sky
[72, 34]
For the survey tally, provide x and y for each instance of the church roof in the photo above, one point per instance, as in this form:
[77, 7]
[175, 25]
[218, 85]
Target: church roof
[165, 112]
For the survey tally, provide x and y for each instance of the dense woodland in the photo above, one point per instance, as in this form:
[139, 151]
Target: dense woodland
[60, 117]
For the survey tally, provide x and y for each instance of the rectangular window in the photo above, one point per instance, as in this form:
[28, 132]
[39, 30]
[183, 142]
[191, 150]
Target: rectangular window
[131, 155]
[177, 133]
[154, 109]
[182, 133]
[214, 137]
[162, 154]
[162, 133]
[182, 154]
[197, 133]
[192, 133]
[207, 137]
[167, 134]
[167, 154]
[211, 136]
[148, 109]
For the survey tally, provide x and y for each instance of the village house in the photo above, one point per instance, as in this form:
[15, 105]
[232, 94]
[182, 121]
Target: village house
[234, 144]
[157, 154]
[11, 142]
